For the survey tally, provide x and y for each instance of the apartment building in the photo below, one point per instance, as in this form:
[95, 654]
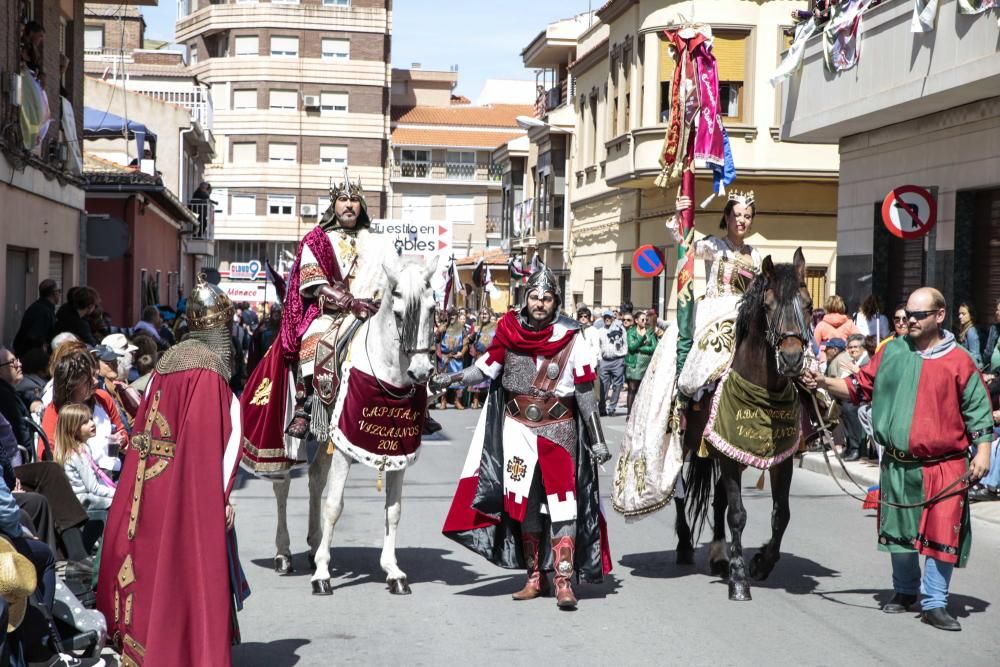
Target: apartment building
[918, 109]
[442, 169]
[300, 89]
[40, 185]
[619, 83]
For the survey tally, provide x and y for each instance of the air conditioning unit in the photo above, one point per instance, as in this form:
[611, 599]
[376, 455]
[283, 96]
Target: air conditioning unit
[307, 210]
[310, 101]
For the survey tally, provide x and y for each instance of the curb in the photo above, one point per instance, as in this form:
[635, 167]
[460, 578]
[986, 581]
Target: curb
[987, 512]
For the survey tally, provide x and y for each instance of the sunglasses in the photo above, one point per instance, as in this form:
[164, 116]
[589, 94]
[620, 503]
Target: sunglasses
[899, 319]
[919, 314]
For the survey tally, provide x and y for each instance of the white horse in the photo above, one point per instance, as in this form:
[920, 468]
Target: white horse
[396, 346]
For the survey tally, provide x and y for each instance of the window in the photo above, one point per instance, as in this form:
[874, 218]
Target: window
[322, 204]
[460, 209]
[666, 79]
[332, 103]
[285, 46]
[285, 2]
[280, 204]
[730, 49]
[415, 164]
[337, 3]
[283, 100]
[93, 38]
[193, 57]
[336, 49]
[598, 287]
[221, 198]
[248, 46]
[280, 153]
[334, 155]
[244, 99]
[416, 207]
[245, 153]
[244, 204]
[461, 164]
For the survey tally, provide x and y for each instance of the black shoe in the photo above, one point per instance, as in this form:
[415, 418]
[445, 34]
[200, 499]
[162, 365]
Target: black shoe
[979, 493]
[940, 619]
[431, 425]
[852, 455]
[899, 604]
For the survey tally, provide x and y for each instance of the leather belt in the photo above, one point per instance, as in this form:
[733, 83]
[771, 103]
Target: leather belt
[147, 446]
[906, 457]
[539, 411]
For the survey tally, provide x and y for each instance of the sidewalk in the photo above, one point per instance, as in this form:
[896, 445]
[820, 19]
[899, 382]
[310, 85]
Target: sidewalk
[867, 475]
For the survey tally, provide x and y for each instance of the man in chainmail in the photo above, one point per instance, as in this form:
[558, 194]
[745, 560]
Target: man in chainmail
[544, 434]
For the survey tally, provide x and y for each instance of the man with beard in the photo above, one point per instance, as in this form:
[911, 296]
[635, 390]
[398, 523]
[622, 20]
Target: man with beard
[536, 445]
[170, 581]
[333, 286]
[931, 413]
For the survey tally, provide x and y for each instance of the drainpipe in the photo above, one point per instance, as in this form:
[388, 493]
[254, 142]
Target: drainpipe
[566, 215]
[181, 168]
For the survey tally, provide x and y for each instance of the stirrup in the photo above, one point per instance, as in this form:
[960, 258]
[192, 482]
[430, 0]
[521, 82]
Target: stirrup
[299, 426]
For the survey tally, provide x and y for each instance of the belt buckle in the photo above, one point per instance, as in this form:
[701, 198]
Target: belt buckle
[533, 413]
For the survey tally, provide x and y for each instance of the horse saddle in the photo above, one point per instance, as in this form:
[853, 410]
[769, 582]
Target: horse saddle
[331, 351]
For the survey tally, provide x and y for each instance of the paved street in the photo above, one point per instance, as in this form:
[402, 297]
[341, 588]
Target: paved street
[820, 606]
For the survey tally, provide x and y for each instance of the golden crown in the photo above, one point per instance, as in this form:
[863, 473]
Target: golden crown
[347, 187]
[744, 198]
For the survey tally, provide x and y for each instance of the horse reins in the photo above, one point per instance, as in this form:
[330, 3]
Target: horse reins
[408, 350]
[947, 491]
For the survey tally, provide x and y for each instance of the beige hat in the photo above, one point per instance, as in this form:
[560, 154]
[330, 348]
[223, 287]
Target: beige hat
[119, 343]
[17, 582]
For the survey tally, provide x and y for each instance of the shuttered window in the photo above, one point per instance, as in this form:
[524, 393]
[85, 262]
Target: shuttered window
[247, 45]
[284, 100]
[816, 284]
[285, 46]
[56, 268]
[245, 153]
[281, 153]
[335, 155]
[244, 99]
[730, 49]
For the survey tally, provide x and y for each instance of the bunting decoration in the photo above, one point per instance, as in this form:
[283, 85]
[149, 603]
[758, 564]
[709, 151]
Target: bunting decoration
[924, 15]
[516, 270]
[842, 35]
[793, 58]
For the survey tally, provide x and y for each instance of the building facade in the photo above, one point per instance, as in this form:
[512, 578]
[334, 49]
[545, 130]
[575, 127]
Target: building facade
[442, 170]
[41, 230]
[918, 109]
[619, 83]
[299, 90]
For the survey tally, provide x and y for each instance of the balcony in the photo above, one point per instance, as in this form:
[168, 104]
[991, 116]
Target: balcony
[901, 75]
[451, 172]
[202, 238]
[197, 17]
[195, 99]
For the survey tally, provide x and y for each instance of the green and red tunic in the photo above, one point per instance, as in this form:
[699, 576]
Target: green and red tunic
[927, 409]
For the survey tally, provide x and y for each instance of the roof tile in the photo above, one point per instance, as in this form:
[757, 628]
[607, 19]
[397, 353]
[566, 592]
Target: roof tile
[494, 115]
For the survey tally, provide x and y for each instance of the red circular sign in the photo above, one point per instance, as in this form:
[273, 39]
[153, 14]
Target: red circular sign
[647, 261]
[909, 211]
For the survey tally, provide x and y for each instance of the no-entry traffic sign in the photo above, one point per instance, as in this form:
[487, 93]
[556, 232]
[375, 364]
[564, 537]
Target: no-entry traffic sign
[909, 211]
[647, 261]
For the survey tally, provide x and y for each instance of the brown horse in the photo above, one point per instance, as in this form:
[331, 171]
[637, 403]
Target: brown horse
[771, 338]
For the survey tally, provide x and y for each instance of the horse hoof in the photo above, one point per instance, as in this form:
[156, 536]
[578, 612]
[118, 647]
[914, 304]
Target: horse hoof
[322, 587]
[283, 565]
[685, 555]
[761, 567]
[399, 586]
[719, 568]
[739, 591]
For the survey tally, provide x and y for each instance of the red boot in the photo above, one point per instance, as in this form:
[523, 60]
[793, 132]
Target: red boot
[563, 550]
[537, 584]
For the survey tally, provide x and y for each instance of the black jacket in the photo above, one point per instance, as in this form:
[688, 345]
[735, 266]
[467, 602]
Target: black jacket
[68, 320]
[16, 412]
[37, 327]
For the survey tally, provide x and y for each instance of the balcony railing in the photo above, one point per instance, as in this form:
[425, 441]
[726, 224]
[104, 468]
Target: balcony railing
[451, 171]
[195, 99]
[205, 212]
[108, 52]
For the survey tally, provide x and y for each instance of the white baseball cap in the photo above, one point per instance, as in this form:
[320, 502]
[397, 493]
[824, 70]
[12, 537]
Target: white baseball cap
[119, 343]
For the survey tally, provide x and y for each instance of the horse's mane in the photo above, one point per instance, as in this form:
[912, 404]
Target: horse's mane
[753, 311]
[412, 291]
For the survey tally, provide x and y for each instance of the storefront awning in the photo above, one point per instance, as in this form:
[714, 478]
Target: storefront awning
[101, 124]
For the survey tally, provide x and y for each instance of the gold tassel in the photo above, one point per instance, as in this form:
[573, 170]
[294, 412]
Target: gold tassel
[702, 450]
[378, 482]
[329, 447]
[760, 482]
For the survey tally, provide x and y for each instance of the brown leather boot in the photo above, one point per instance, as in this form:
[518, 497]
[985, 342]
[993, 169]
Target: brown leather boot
[537, 584]
[563, 550]
[301, 420]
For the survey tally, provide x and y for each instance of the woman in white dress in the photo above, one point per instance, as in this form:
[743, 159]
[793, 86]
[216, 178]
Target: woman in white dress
[730, 266]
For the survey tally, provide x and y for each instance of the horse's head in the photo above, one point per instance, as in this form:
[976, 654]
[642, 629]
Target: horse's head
[412, 304]
[788, 312]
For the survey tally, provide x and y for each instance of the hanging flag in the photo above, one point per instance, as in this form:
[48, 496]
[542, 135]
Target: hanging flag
[976, 6]
[842, 35]
[516, 270]
[478, 279]
[793, 59]
[536, 263]
[279, 283]
[488, 285]
[449, 283]
[456, 280]
[924, 15]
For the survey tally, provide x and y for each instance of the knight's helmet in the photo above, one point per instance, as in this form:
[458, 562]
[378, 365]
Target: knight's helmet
[210, 316]
[540, 282]
[353, 190]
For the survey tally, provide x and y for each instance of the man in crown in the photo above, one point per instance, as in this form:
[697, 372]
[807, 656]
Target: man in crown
[333, 286]
[170, 580]
[535, 451]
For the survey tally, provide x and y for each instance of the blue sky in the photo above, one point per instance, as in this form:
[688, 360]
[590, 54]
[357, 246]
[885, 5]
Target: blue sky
[484, 38]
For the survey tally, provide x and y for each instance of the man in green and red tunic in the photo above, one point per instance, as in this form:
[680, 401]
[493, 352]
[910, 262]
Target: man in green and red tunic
[930, 410]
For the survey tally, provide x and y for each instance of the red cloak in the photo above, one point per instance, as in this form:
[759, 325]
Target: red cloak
[165, 590]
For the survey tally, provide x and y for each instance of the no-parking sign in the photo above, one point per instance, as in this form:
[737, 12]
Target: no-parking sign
[647, 261]
[909, 211]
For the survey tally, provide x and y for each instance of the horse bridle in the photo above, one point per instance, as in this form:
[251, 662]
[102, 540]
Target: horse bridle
[409, 351]
[777, 333]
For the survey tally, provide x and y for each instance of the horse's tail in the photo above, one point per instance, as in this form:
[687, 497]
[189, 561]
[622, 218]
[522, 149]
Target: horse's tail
[702, 475]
